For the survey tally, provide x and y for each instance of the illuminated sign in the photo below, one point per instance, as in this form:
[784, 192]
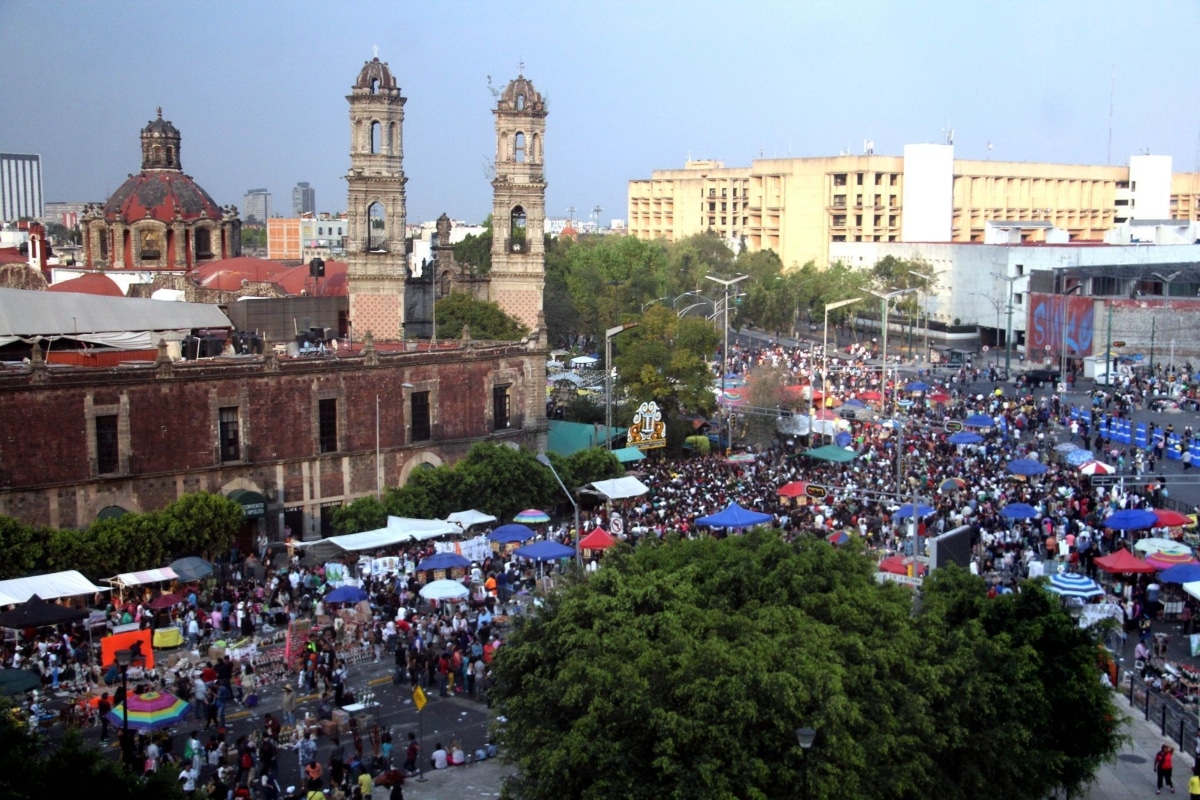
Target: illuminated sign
[648, 430]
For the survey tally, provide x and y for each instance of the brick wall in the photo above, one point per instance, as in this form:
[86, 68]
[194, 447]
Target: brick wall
[169, 423]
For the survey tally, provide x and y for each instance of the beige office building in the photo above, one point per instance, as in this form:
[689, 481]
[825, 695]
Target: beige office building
[798, 206]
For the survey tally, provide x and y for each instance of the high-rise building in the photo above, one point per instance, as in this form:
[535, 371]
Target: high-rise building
[20, 186]
[304, 199]
[256, 206]
[799, 206]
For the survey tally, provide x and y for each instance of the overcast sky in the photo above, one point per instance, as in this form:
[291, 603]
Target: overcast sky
[258, 89]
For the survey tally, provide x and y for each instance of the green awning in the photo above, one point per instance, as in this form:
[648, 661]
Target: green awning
[628, 454]
[253, 504]
[831, 452]
[111, 512]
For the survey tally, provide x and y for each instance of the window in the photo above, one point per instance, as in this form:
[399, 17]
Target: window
[891, 221]
[420, 417]
[500, 420]
[327, 422]
[712, 206]
[839, 220]
[519, 148]
[839, 179]
[376, 228]
[858, 220]
[895, 179]
[878, 220]
[203, 243]
[227, 424]
[839, 238]
[878, 179]
[723, 206]
[839, 200]
[860, 179]
[878, 199]
[1017, 300]
[108, 450]
[376, 137]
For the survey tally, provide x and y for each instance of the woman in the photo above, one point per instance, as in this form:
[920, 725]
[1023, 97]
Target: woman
[1163, 763]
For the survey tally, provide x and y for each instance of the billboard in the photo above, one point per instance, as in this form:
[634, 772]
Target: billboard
[1044, 327]
[648, 429]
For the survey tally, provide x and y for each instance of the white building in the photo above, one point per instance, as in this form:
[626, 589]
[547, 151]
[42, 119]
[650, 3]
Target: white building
[20, 187]
[256, 206]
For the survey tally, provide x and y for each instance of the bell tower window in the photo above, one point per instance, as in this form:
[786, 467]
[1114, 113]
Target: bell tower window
[376, 134]
[520, 102]
[376, 228]
[517, 230]
[203, 243]
[519, 148]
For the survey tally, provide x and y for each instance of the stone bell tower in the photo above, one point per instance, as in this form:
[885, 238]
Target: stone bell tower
[519, 203]
[375, 207]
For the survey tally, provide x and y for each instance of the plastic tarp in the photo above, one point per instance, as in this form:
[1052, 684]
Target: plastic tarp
[145, 576]
[465, 519]
[620, 488]
[422, 529]
[30, 314]
[109, 646]
[398, 530]
[48, 587]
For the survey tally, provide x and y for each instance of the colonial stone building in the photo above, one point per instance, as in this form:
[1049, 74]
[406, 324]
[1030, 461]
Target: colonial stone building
[159, 219]
[291, 438]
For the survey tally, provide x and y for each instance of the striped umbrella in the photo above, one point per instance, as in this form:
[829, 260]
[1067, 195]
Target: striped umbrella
[1096, 468]
[838, 537]
[1168, 560]
[150, 711]
[1069, 584]
[531, 516]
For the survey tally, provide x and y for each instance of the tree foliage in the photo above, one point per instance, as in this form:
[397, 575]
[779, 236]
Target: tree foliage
[487, 321]
[682, 669]
[497, 479]
[203, 524]
[475, 251]
[665, 359]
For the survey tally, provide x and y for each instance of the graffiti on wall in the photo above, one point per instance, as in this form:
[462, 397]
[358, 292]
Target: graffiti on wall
[1044, 328]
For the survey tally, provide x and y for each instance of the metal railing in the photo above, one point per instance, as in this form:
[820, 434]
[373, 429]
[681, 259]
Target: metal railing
[1173, 718]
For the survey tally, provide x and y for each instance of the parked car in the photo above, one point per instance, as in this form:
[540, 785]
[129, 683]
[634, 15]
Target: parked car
[1036, 377]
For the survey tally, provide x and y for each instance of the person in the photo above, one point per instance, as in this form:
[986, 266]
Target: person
[457, 757]
[289, 705]
[1162, 767]
[307, 750]
[102, 709]
[187, 778]
[365, 785]
[193, 750]
[1194, 787]
[440, 759]
[411, 754]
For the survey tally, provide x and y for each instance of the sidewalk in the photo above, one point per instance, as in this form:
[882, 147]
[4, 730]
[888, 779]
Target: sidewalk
[478, 780]
[1131, 773]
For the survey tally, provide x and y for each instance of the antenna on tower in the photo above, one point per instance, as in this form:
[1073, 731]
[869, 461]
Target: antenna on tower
[869, 147]
[948, 134]
[1112, 91]
[596, 213]
[571, 215]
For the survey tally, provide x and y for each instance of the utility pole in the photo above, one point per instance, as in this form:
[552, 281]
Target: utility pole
[725, 348]
[1008, 334]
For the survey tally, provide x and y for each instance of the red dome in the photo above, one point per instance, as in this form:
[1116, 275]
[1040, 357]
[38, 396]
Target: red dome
[93, 283]
[159, 194]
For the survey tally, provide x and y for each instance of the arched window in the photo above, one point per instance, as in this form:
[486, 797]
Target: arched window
[376, 228]
[376, 133]
[520, 102]
[516, 222]
[203, 243]
[393, 146]
[374, 85]
[519, 148]
[156, 155]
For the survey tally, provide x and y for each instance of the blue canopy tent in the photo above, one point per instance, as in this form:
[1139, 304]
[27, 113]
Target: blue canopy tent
[512, 532]
[346, 594]
[545, 551]
[854, 402]
[734, 516]
[1131, 519]
[443, 561]
[843, 439]
[917, 386]
[1018, 511]
[905, 511]
[964, 437]
[979, 421]
[1026, 466]
[1180, 573]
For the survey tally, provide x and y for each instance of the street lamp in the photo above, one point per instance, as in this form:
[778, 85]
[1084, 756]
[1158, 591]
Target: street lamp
[124, 659]
[544, 460]
[1008, 334]
[884, 300]
[608, 370]
[807, 737]
[726, 282]
[996, 305]
[825, 357]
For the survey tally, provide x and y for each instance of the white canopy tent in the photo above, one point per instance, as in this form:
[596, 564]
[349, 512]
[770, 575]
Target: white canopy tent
[422, 529]
[48, 587]
[144, 576]
[398, 531]
[620, 488]
[584, 362]
[465, 519]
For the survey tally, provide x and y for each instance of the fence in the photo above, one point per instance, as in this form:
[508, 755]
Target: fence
[1174, 719]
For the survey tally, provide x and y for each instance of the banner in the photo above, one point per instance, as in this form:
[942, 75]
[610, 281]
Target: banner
[476, 549]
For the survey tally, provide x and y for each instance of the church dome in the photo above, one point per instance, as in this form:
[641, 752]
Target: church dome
[161, 195]
[520, 95]
[375, 75]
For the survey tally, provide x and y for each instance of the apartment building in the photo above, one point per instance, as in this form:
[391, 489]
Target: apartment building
[799, 206]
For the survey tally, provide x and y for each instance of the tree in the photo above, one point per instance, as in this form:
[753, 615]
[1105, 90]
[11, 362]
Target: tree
[364, 514]
[682, 669]
[486, 320]
[766, 391]
[202, 523]
[665, 360]
[475, 251]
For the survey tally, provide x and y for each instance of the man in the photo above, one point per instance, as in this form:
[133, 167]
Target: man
[187, 780]
[411, 754]
[193, 750]
[307, 751]
[441, 759]
[103, 708]
[365, 785]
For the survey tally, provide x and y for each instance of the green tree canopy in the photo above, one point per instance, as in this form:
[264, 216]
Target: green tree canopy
[682, 669]
[665, 359]
[475, 251]
[488, 322]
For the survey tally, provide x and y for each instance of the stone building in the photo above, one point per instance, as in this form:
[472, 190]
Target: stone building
[292, 438]
[160, 218]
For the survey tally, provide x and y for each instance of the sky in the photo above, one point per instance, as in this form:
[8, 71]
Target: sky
[258, 89]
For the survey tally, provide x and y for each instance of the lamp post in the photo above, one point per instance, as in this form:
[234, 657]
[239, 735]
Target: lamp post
[124, 659]
[996, 305]
[544, 460]
[1008, 334]
[885, 300]
[608, 370]
[806, 737]
[726, 282]
[825, 356]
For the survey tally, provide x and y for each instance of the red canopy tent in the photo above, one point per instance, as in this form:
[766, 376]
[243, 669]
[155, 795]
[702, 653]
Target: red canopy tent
[1123, 562]
[793, 489]
[598, 539]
